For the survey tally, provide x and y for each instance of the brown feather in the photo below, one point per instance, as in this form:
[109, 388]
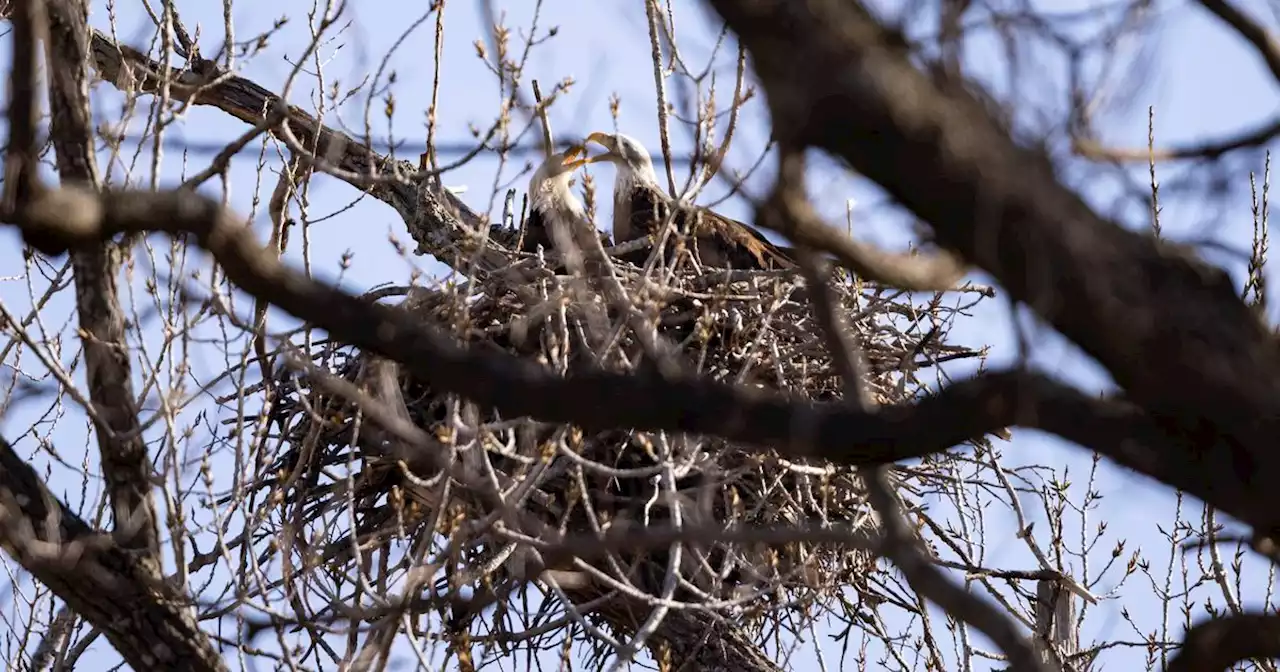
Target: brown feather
[721, 242]
[536, 233]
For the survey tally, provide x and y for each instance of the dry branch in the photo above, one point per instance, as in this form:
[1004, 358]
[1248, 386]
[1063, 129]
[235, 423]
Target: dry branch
[147, 620]
[594, 400]
[1170, 329]
[125, 463]
[437, 220]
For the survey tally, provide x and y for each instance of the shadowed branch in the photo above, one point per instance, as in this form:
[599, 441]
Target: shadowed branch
[1169, 328]
[597, 400]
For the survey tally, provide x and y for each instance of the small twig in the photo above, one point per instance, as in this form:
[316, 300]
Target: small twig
[222, 162]
[789, 212]
[962, 411]
[548, 139]
[654, 15]
[899, 545]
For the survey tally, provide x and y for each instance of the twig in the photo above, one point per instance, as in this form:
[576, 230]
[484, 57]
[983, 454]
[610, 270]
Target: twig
[899, 545]
[597, 400]
[654, 14]
[548, 139]
[1220, 643]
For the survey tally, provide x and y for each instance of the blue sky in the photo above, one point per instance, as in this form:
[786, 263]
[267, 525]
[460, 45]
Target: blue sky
[1203, 82]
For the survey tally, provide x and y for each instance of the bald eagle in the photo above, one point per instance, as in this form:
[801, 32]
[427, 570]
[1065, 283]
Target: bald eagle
[640, 207]
[551, 202]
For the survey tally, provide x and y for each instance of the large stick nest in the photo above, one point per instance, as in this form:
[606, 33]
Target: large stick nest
[341, 484]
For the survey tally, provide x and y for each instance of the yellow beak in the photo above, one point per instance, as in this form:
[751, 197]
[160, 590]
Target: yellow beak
[571, 156]
[604, 140]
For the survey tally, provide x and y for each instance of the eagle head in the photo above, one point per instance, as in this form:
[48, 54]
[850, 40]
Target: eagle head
[625, 152]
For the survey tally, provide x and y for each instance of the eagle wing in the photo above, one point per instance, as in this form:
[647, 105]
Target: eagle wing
[742, 246]
[536, 233]
[649, 209]
[640, 213]
[722, 242]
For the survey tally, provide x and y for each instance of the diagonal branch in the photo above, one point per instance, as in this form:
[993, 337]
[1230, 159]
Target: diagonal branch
[597, 400]
[125, 466]
[1218, 644]
[899, 545]
[146, 619]
[440, 223]
[1170, 329]
[1252, 31]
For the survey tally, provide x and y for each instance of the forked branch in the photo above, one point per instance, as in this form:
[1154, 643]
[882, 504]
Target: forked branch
[146, 619]
[598, 400]
[1170, 329]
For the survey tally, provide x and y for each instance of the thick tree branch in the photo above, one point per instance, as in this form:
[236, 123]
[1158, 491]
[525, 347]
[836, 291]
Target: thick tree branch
[1267, 47]
[901, 547]
[438, 221]
[1169, 328]
[125, 466]
[22, 160]
[1217, 645]
[146, 619]
[597, 400]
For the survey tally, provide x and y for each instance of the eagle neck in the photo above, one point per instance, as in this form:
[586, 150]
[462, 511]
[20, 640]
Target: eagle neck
[630, 177]
[643, 172]
[553, 195]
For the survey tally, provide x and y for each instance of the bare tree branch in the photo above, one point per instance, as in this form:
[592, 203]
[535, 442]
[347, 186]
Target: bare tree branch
[598, 400]
[430, 451]
[146, 619]
[1216, 645]
[30, 26]
[438, 221]
[125, 463]
[1170, 328]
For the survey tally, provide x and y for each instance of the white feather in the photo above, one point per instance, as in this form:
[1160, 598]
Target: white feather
[634, 168]
[552, 197]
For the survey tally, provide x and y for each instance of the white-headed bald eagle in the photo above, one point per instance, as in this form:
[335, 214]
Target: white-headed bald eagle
[551, 202]
[640, 206]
